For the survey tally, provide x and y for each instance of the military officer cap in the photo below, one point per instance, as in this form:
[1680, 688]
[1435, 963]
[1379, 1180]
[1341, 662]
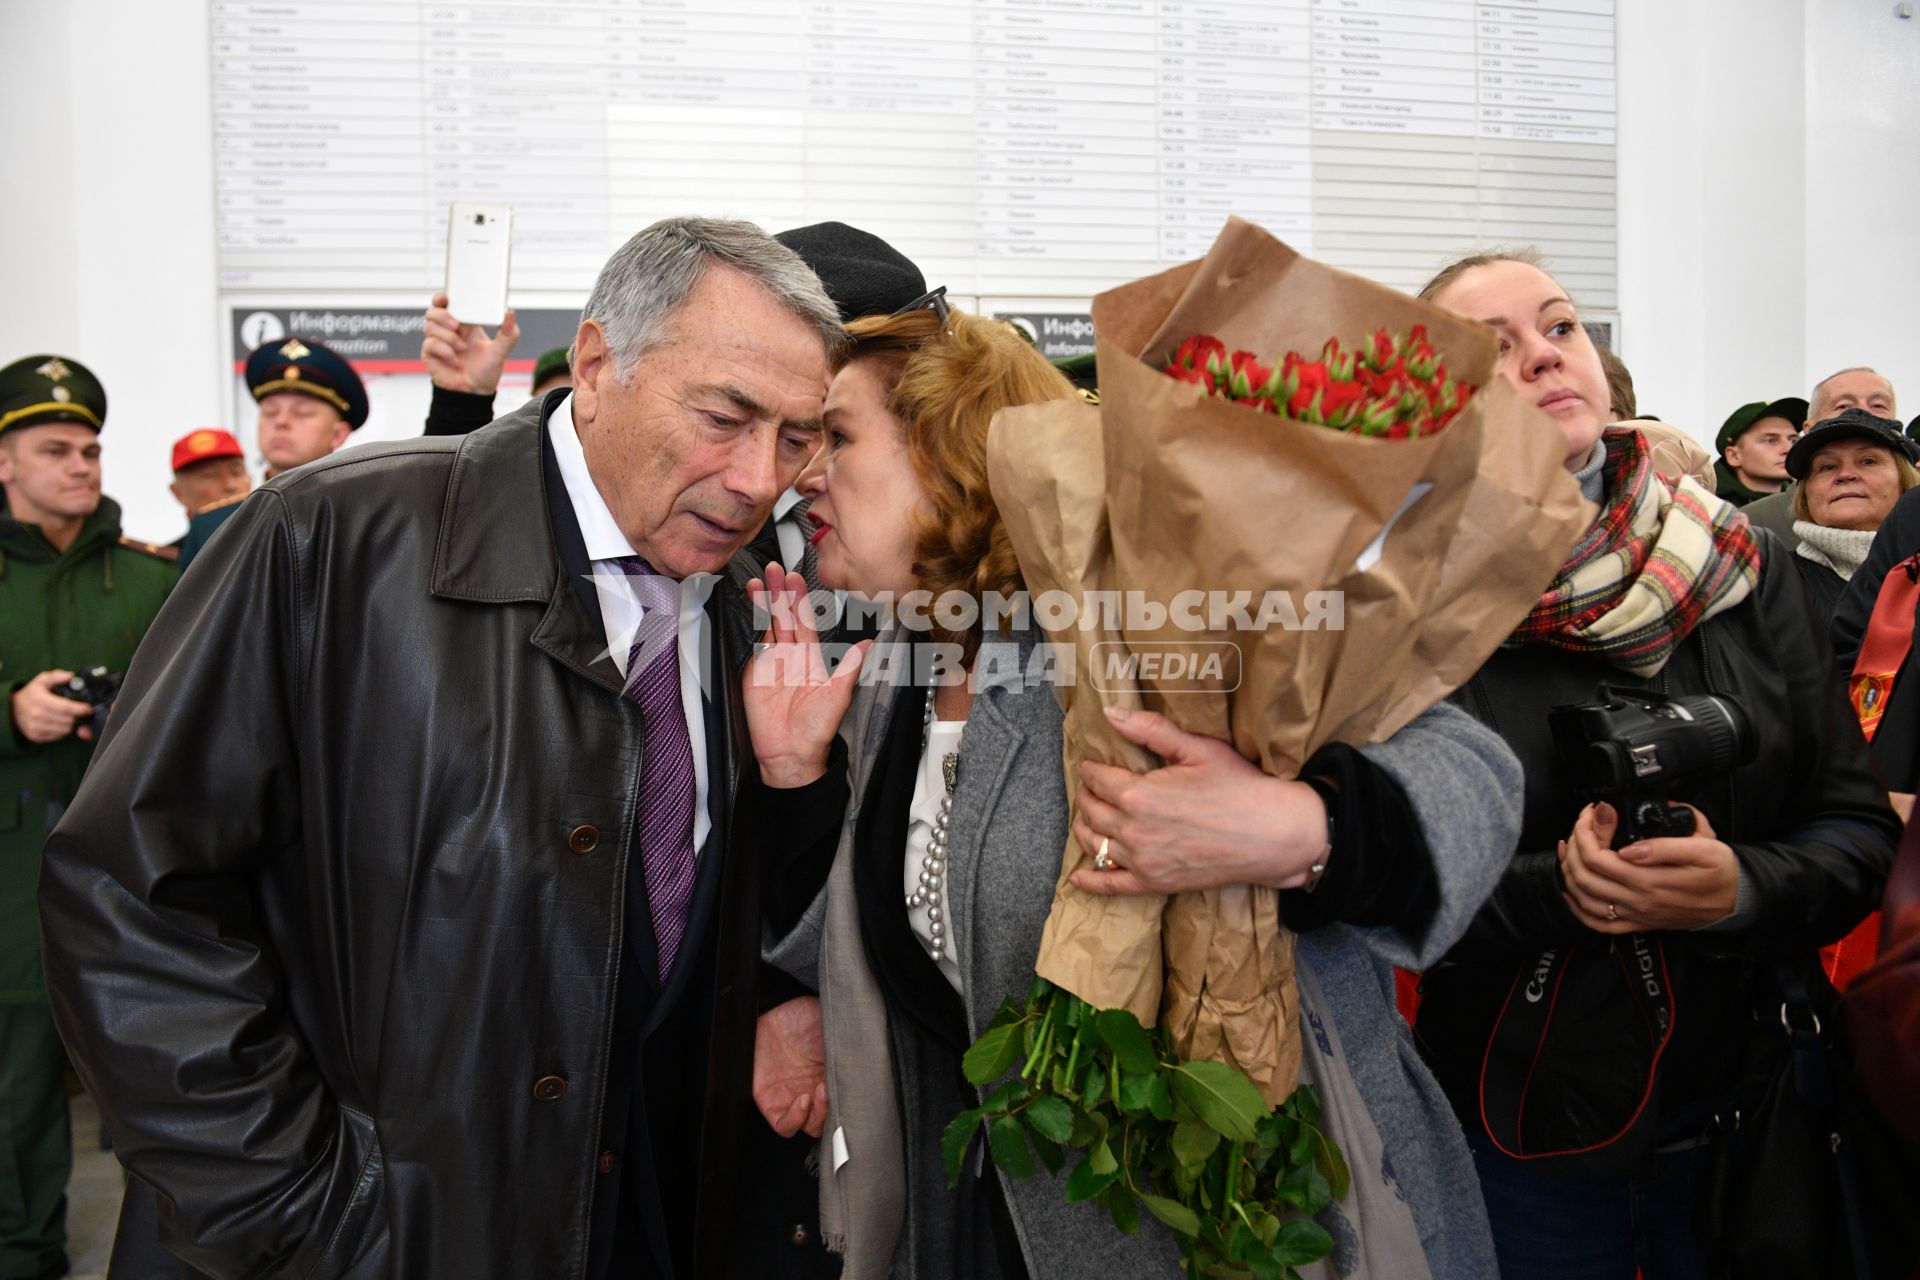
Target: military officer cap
[47, 388]
[309, 368]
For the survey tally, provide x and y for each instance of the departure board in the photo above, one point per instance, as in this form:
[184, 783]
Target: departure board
[1039, 149]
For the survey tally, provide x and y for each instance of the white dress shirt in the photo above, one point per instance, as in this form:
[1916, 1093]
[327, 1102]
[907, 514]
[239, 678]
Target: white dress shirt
[793, 539]
[620, 607]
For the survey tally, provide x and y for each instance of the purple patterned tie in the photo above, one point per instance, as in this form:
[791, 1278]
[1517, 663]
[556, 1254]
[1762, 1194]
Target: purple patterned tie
[667, 784]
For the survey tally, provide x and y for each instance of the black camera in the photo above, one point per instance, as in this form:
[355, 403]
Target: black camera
[1634, 749]
[97, 687]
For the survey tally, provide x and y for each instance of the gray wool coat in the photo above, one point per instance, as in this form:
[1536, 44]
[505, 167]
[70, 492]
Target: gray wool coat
[1008, 828]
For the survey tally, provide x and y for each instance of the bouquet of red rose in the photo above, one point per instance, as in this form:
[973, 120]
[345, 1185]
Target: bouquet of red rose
[1162, 1036]
[1394, 386]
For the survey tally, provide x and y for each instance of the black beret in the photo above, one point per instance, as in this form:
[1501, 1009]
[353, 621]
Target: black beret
[48, 388]
[863, 274]
[1854, 424]
[311, 368]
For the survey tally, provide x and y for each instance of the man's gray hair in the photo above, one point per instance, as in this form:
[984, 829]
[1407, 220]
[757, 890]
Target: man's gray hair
[650, 277]
[1813, 401]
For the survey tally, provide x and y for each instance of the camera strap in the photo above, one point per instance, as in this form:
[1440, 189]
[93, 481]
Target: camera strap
[1573, 1059]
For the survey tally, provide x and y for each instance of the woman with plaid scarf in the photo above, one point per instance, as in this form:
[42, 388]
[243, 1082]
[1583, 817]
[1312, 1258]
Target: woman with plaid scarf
[1641, 968]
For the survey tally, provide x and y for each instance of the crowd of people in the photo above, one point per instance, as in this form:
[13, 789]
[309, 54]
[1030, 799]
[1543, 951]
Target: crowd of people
[424, 869]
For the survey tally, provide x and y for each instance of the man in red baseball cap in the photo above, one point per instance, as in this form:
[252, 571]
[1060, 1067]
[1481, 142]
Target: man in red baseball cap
[209, 479]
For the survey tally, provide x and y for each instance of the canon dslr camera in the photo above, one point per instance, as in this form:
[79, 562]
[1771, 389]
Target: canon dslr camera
[1634, 749]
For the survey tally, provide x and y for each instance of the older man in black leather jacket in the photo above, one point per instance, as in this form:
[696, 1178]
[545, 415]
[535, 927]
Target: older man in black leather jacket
[357, 927]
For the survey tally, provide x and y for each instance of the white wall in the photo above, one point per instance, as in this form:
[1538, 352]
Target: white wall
[1769, 199]
[1769, 195]
[106, 227]
[1863, 192]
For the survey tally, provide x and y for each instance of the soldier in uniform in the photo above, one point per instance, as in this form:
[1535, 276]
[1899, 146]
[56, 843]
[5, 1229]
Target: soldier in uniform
[209, 479]
[310, 401]
[74, 595]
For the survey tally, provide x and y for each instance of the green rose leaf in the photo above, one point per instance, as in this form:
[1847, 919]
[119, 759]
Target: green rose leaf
[1264, 1267]
[1085, 1182]
[1243, 1243]
[955, 1141]
[1009, 1142]
[1120, 1204]
[1052, 1118]
[1101, 1158]
[1173, 1213]
[1332, 1164]
[1006, 1097]
[1127, 1038]
[1301, 1241]
[1136, 1092]
[1160, 1101]
[1009, 1013]
[1049, 1152]
[1221, 1096]
[992, 1054]
[1193, 1143]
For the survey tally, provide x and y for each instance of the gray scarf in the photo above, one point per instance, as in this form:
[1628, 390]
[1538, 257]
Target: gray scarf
[863, 1196]
[1841, 550]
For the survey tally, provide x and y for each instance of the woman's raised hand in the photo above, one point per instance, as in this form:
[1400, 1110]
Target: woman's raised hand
[794, 705]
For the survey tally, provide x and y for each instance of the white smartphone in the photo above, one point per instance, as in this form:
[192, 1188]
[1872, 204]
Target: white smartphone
[479, 249]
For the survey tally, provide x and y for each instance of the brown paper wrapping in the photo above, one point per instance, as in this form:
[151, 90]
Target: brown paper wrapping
[1162, 490]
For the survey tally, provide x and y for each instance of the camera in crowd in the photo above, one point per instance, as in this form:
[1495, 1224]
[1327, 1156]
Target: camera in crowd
[97, 687]
[1635, 748]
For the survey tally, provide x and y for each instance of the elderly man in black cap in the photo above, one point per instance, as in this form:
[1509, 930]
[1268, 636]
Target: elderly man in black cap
[1855, 388]
[405, 924]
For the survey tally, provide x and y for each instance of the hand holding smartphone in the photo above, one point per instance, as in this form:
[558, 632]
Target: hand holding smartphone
[479, 251]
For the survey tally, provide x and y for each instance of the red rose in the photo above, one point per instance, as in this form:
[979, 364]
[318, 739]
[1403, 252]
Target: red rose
[1195, 351]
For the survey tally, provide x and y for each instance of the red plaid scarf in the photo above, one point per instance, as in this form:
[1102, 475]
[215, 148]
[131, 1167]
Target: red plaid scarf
[1663, 557]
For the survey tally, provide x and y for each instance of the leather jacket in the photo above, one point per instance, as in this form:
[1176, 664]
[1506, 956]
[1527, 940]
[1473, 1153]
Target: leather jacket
[334, 926]
[1806, 818]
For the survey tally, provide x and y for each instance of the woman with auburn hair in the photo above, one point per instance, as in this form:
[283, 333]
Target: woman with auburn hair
[925, 838]
[1670, 594]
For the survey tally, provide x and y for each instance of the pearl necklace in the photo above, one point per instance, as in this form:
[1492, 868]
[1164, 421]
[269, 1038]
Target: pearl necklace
[933, 867]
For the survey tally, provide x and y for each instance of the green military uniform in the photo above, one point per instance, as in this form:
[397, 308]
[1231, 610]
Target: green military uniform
[85, 606]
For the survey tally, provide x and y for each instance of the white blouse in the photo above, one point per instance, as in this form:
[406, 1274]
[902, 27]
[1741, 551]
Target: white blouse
[929, 788]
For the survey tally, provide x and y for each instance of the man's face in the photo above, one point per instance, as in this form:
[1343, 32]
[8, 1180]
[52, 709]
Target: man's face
[200, 485]
[1761, 451]
[1856, 389]
[296, 429]
[693, 448]
[51, 472]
